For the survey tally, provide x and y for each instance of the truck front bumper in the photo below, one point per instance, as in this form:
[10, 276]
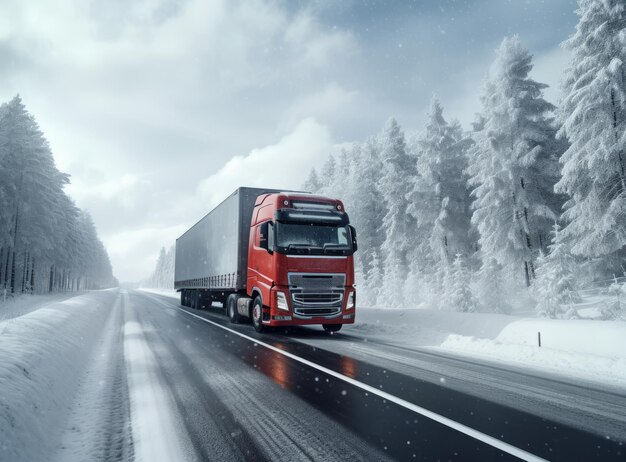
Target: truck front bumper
[341, 314]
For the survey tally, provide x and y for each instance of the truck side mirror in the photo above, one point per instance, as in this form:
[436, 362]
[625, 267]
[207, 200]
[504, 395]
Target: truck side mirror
[355, 245]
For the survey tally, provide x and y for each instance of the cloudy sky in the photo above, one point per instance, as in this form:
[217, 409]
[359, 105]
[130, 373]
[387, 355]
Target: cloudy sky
[160, 108]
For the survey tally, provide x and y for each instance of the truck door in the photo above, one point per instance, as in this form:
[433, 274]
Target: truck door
[260, 271]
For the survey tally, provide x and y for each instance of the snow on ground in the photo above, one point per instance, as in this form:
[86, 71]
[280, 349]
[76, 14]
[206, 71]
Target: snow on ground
[165, 292]
[98, 427]
[18, 306]
[586, 349]
[41, 356]
[79, 381]
[592, 350]
[154, 425]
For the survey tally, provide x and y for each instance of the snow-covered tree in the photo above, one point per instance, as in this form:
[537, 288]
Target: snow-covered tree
[396, 181]
[615, 309]
[593, 119]
[46, 243]
[491, 288]
[457, 293]
[370, 293]
[365, 205]
[509, 163]
[555, 286]
[163, 275]
[327, 174]
[440, 199]
[343, 166]
[312, 183]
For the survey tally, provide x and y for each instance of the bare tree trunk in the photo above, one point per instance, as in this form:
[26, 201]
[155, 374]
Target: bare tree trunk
[13, 272]
[32, 276]
[51, 282]
[527, 273]
[620, 157]
[24, 266]
[6, 268]
[27, 282]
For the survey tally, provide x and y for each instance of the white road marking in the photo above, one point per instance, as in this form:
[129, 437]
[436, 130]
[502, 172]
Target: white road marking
[489, 440]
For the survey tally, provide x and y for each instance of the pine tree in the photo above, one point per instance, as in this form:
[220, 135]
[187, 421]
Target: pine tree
[440, 200]
[312, 183]
[33, 186]
[327, 175]
[364, 203]
[555, 287]
[46, 243]
[457, 291]
[343, 166]
[593, 118]
[616, 308]
[509, 163]
[490, 288]
[399, 226]
[373, 280]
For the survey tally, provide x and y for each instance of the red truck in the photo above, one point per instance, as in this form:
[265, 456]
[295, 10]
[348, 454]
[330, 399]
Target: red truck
[276, 258]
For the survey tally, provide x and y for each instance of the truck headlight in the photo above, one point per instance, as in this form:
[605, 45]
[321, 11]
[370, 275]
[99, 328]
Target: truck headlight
[350, 303]
[281, 301]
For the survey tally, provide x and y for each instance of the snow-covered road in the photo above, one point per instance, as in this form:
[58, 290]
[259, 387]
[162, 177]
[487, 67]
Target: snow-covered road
[117, 375]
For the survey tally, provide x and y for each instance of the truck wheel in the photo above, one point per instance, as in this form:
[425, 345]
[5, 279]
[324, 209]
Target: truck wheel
[231, 306]
[257, 314]
[330, 328]
[182, 297]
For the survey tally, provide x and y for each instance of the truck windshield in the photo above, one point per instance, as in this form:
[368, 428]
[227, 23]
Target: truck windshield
[295, 238]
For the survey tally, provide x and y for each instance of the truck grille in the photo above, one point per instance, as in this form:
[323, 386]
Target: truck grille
[316, 295]
[328, 298]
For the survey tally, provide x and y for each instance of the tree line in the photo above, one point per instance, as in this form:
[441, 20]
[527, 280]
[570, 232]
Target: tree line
[46, 242]
[532, 196]
[163, 275]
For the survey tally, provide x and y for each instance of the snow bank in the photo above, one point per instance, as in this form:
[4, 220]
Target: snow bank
[41, 357]
[165, 292]
[22, 304]
[593, 350]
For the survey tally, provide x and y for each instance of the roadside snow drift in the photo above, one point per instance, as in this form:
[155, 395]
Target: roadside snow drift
[593, 350]
[42, 355]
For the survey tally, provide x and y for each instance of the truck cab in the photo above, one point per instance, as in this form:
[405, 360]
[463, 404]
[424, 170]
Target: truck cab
[300, 262]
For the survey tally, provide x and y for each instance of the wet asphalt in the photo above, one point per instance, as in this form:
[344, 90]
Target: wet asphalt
[241, 400]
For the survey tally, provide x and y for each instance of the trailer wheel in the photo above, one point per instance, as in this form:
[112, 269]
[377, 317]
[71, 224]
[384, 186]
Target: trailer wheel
[231, 304]
[257, 314]
[182, 297]
[330, 328]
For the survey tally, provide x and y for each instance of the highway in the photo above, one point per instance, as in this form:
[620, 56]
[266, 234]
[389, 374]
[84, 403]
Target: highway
[192, 386]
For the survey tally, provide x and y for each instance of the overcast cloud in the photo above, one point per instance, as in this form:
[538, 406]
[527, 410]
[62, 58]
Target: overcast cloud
[159, 109]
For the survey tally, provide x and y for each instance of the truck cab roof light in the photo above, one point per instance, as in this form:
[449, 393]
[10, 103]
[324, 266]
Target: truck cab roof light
[304, 216]
[329, 217]
[312, 205]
